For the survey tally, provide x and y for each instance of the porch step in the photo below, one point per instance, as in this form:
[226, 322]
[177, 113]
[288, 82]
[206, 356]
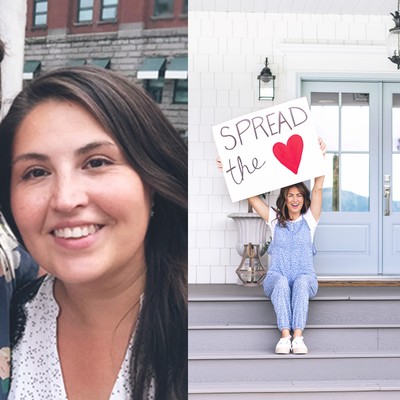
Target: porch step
[299, 390]
[336, 338]
[238, 305]
[269, 367]
[352, 336]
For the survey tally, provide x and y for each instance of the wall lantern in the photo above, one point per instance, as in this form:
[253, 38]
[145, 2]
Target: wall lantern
[266, 83]
[393, 40]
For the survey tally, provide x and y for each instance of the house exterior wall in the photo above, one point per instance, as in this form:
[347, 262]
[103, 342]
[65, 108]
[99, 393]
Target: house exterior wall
[127, 41]
[227, 51]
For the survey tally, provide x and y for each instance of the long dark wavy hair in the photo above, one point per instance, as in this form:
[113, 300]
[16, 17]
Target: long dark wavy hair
[157, 153]
[282, 211]
[2, 53]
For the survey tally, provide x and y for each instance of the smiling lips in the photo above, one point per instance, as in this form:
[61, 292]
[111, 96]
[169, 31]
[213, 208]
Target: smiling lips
[76, 232]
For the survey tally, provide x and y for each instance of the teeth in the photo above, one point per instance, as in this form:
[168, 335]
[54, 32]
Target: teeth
[76, 232]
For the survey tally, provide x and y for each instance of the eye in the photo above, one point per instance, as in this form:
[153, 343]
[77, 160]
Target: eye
[35, 173]
[97, 162]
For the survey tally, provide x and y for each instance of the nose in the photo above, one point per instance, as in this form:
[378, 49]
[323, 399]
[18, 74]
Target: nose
[68, 193]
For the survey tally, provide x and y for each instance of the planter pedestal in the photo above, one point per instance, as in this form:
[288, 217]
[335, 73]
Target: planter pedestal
[251, 245]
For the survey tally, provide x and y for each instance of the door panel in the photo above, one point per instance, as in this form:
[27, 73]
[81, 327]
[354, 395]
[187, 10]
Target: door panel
[391, 179]
[346, 115]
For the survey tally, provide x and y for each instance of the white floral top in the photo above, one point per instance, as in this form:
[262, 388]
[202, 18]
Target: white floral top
[16, 268]
[36, 369]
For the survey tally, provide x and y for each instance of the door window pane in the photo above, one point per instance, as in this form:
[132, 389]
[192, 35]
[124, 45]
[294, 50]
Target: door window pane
[331, 184]
[325, 114]
[396, 122]
[355, 122]
[396, 183]
[342, 120]
[354, 193]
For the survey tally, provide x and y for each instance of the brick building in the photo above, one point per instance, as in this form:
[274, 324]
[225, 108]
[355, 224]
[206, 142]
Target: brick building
[144, 39]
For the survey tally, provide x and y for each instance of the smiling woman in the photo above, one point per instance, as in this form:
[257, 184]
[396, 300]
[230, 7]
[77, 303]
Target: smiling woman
[94, 176]
[291, 280]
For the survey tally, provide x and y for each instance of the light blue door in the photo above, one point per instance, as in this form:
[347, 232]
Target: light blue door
[351, 234]
[391, 179]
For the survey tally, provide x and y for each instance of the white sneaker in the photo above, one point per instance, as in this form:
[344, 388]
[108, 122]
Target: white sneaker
[298, 346]
[283, 346]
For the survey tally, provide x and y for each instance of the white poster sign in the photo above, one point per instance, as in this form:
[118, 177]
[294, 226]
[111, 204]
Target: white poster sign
[269, 149]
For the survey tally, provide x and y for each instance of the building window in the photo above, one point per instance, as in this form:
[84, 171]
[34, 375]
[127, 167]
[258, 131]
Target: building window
[181, 91]
[109, 10]
[163, 7]
[85, 11]
[40, 13]
[154, 88]
[185, 7]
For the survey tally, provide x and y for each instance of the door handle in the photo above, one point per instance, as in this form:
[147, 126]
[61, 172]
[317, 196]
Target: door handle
[387, 197]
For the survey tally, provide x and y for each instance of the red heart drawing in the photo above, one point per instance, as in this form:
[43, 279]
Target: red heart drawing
[289, 155]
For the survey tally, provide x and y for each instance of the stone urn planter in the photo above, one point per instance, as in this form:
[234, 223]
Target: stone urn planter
[251, 245]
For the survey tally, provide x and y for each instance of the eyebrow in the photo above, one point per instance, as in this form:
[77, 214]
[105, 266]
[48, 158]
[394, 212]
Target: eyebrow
[79, 152]
[93, 146]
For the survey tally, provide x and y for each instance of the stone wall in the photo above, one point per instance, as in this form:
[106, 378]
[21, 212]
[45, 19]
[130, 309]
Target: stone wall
[126, 49]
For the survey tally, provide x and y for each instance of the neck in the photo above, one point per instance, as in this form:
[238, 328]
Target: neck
[294, 216]
[100, 305]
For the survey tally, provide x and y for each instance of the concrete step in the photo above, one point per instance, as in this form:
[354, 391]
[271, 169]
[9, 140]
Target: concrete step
[238, 305]
[264, 367]
[298, 390]
[337, 338]
[352, 335]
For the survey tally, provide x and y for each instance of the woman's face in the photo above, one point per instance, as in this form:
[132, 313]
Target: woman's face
[82, 211]
[294, 202]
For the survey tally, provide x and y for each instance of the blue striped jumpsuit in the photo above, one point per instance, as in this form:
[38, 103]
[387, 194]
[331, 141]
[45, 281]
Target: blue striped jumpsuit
[291, 280]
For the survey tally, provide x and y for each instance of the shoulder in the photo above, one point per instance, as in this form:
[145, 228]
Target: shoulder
[18, 315]
[309, 217]
[15, 261]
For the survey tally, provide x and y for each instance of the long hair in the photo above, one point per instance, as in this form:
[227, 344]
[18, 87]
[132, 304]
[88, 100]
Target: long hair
[157, 153]
[2, 52]
[283, 213]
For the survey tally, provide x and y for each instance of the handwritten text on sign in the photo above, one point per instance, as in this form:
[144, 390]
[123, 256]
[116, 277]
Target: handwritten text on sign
[269, 149]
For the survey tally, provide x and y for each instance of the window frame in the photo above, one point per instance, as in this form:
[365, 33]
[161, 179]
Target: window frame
[36, 14]
[80, 9]
[108, 7]
[178, 90]
[155, 92]
[185, 7]
[158, 4]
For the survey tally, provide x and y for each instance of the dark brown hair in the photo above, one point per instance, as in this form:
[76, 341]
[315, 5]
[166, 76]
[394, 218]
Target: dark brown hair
[283, 213]
[2, 52]
[157, 153]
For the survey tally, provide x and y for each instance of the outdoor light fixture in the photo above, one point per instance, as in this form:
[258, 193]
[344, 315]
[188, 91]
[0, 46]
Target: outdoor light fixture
[266, 83]
[393, 40]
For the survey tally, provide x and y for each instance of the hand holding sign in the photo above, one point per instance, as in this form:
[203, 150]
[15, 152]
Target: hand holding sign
[269, 149]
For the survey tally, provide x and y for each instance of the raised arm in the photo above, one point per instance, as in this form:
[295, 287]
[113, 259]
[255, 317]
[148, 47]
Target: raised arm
[261, 208]
[316, 195]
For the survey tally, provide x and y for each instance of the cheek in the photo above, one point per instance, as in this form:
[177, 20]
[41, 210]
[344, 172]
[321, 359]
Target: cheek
[27, 208]
[129, 201]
